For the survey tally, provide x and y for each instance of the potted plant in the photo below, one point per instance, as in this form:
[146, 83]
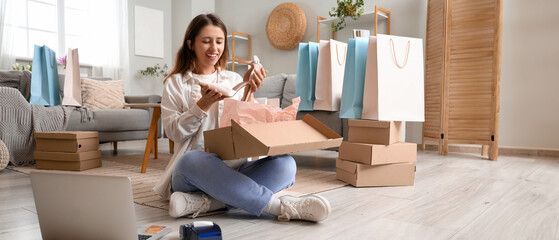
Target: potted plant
[346, 8]
[156, 71]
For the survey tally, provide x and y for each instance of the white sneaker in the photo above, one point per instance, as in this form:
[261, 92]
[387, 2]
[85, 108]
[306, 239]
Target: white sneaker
[310, 207]
[182, 204]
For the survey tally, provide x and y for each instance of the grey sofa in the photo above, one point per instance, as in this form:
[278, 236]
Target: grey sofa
[113, 125]
[282, 86]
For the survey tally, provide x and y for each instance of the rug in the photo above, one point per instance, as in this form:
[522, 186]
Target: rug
[307, 180]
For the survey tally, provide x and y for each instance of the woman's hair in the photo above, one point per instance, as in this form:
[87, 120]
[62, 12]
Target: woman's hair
[185, 59]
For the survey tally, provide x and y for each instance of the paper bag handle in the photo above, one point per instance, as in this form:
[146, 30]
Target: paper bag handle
[338, 57]
[394, 55]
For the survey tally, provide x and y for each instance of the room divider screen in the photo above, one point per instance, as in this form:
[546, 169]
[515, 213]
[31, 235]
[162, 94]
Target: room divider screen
[462, 74]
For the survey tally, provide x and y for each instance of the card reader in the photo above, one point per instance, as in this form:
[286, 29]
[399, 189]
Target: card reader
[200, 230]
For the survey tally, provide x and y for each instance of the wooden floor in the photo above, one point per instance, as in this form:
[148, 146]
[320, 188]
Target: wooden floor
[459, 196]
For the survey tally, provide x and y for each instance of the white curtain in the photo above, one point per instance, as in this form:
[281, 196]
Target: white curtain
[108, 28]
[7, 56]
[107, 33]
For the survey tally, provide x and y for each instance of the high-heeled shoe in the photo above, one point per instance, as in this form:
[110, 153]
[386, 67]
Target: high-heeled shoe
[231, 92]
[226, 92]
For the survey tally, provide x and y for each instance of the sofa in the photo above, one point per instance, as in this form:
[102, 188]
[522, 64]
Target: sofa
[282, 86]
[113, 125]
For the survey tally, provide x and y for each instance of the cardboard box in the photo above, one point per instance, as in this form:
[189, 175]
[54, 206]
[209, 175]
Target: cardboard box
[376, 154]
[69, 165]
[268, 139]
[66, 141]
[68, 161]
[361, 175]
[63, 156]
[374, 132]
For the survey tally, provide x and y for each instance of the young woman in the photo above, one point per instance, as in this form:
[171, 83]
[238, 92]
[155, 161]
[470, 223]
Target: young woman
[201, 181]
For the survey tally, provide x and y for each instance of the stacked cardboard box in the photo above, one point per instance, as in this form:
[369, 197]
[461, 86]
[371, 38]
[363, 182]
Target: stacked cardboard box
[374, 155]
[75, 151]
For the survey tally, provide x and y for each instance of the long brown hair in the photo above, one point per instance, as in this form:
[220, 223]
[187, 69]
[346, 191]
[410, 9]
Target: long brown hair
[185, 59]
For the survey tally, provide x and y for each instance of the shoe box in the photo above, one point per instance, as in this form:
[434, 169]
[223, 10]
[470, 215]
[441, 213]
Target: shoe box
[375, 156]
[67, 150]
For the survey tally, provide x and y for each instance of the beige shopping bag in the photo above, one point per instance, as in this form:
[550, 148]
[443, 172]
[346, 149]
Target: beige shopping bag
[72, 95]
[394, 87]
[330, 75]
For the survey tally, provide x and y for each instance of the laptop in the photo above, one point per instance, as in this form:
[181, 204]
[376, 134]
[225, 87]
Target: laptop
[74, 206]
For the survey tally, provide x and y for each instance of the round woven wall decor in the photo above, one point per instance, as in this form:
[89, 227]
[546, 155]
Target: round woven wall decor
[4, 156]
[286, 26]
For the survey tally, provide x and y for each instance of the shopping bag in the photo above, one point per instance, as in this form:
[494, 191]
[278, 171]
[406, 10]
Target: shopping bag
[354, 77]
[394, 87]
[306, 75]
[244, 112]
[329, 75]
[71, 92]
[44, 78]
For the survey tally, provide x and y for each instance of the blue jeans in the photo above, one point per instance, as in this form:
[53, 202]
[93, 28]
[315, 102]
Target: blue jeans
[249, 188]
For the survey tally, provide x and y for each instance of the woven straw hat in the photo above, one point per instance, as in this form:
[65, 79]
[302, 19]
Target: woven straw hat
[286, 26]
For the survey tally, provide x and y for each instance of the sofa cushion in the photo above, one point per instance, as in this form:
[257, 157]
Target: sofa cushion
[21, 80]
[111, 120]
[272, 87]
[288, 90]
[102, 94]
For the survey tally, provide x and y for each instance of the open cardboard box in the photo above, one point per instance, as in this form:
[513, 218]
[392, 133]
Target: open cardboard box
[268, 139]
[66, 141]
[376, 154]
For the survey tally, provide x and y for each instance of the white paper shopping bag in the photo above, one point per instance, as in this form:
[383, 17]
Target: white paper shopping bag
[330, 75]
[72, 93]
[394, 87]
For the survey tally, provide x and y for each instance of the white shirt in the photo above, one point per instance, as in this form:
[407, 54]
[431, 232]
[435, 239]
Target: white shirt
[184, 121]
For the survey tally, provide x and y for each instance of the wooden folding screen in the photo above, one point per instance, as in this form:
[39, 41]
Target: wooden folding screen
[462, 73]
[434, 70]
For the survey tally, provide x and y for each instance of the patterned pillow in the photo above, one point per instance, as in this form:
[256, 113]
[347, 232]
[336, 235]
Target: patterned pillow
[102, 94]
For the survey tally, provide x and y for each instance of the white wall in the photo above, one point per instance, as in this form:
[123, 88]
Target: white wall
[138, 84]
[530, 75]
[183, 12]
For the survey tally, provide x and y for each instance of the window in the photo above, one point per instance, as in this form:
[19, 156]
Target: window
[58, 24]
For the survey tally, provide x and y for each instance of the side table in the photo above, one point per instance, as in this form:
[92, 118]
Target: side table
[152, 135]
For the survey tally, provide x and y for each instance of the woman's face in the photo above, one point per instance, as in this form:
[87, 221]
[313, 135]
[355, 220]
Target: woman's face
[208, 47]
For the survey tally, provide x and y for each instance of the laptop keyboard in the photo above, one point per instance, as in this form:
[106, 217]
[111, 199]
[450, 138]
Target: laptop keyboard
[143, 237]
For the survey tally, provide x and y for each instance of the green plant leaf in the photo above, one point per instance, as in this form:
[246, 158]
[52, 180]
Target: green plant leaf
[346, 8]
[156, 71]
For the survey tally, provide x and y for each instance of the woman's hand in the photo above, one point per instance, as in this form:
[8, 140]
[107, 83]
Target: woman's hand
[257, 78]
[209, 97]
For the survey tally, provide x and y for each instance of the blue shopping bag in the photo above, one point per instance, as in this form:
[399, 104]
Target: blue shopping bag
[354, 78]
[306, 75]
[44, 78]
